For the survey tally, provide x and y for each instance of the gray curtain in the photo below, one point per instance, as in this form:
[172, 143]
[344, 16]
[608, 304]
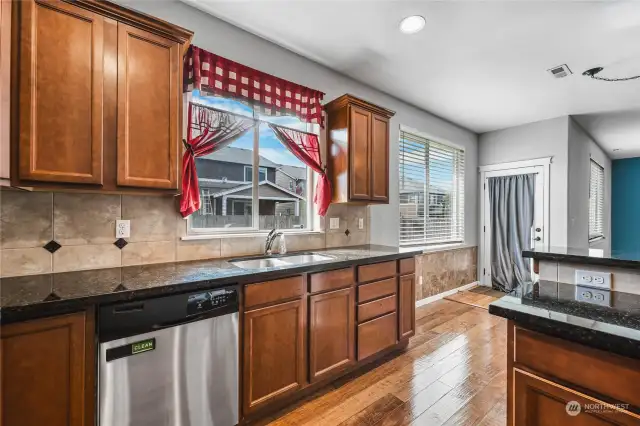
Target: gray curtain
[511, 201]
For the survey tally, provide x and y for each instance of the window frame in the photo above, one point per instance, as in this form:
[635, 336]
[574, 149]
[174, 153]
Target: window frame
[312, 219]
[461, 213]
[260, 168]
[599, 203]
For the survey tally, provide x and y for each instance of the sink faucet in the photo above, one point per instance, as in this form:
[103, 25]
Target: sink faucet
[270, 239]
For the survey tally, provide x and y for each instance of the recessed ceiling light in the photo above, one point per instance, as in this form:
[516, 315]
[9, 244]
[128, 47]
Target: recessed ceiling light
[412, 24]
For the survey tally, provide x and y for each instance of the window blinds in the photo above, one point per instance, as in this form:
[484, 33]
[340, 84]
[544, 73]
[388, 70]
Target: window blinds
[431, 192]
[596, 201]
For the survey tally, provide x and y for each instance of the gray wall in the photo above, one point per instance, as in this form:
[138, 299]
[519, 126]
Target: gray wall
[536, 140]
[582, 148]
[231, 42]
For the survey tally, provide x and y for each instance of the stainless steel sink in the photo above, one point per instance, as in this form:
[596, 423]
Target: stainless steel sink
[271, 262]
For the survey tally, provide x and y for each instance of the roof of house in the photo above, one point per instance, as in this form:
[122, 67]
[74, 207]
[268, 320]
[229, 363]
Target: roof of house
[294, 171]
[232, 154]
[265, 189]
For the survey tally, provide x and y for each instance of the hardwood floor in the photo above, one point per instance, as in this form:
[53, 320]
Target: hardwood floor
[452, 373]
[479, 296]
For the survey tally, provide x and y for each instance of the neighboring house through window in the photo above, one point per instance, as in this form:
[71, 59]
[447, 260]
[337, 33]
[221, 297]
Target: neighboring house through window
[431, 191]
[282, 197]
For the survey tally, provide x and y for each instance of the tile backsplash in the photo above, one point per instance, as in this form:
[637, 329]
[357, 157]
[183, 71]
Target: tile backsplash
[440, 271]
[84, 226]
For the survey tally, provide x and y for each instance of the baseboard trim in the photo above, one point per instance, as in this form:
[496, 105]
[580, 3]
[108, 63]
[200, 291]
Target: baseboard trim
[432, 299]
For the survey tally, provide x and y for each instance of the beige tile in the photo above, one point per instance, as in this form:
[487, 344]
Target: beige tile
[548, 270]
[149, 252]
[27, 261]
[89, 256]
[25, 219]
[197, 249]
[357, 238]
[354, 213]
[336, 239]
[339, 211]
[152, 218]
[242, 246]
[304, 242]
[181, 226]
[85, 218]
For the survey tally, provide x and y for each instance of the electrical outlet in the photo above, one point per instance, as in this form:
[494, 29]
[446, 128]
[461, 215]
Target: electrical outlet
[594, 279]
[360, 223]
[593, 295]
[123, 228]
[334, 223]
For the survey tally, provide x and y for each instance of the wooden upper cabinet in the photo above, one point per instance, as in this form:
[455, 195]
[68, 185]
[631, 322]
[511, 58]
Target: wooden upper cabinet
[380, 159]
[5, 91]
[99, 102]
[274, 362]
[358, 150]
[331, 333]
[47, 372]
[149, 100]
[359, 154]
[60, 93]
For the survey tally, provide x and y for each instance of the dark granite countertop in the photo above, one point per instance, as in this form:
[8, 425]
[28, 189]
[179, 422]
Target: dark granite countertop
[34, 296]
[552, 308]
[622, 259]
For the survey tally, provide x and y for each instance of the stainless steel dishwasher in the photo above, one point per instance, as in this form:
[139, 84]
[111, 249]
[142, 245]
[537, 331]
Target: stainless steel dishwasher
[170, 361]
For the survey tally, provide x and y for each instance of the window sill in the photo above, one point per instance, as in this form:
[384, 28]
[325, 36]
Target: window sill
[261, 234]
[436, 248]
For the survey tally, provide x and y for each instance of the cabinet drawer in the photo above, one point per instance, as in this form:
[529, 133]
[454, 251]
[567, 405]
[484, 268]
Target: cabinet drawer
[331, 280]
[377, 271]
[407, 266]
[377, 289]
[376, 308]
[376, 335]
[272, 291]
[603, 373]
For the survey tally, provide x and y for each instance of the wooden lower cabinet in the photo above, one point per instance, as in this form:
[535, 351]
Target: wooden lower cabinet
[48, 372]
[542, 402]
[406, 307]
[331, 332]
[274, 364]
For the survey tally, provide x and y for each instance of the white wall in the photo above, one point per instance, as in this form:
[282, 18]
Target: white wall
[582, 148]
[236, 44]
[536, 140]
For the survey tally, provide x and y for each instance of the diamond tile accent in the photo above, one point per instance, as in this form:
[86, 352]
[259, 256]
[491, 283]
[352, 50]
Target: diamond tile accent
[52, 246]
[120, 243]
[51, 297]
[347, 232]
[120, 288]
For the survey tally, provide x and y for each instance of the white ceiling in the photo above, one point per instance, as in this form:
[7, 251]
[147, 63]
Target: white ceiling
[480, 64]
[617, 132]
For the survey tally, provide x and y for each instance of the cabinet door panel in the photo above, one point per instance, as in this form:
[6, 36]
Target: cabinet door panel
[61, 88]
[359, 154]
[407, 307]
[331, 332]
[539, 402]
[274, 361]
[47, 372]
[380, 159]
[148, 109]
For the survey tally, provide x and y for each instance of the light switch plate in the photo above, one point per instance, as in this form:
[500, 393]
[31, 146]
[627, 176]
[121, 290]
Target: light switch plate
[123, 228]
[593, 279]
[334, 223]
[360, 223]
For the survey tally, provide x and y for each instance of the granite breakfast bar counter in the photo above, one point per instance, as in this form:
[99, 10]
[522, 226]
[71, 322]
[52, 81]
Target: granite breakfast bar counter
[562, 349]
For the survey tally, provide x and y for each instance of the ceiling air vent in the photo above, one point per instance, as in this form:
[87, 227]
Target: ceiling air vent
[560, 71]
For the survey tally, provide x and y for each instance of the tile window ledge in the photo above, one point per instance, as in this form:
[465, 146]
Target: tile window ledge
[437, 248]
[261, 234]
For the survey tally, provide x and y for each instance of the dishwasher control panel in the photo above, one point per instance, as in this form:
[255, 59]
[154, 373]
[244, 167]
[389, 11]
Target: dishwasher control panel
[211, 299]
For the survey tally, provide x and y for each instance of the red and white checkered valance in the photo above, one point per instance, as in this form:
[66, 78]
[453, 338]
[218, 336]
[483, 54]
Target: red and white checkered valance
[213, 74]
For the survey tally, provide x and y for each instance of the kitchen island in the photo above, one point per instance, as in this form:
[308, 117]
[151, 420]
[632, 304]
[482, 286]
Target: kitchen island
[572, 358]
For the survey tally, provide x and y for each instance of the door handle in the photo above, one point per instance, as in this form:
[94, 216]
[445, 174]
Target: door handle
[538, 239]
[538, 229]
